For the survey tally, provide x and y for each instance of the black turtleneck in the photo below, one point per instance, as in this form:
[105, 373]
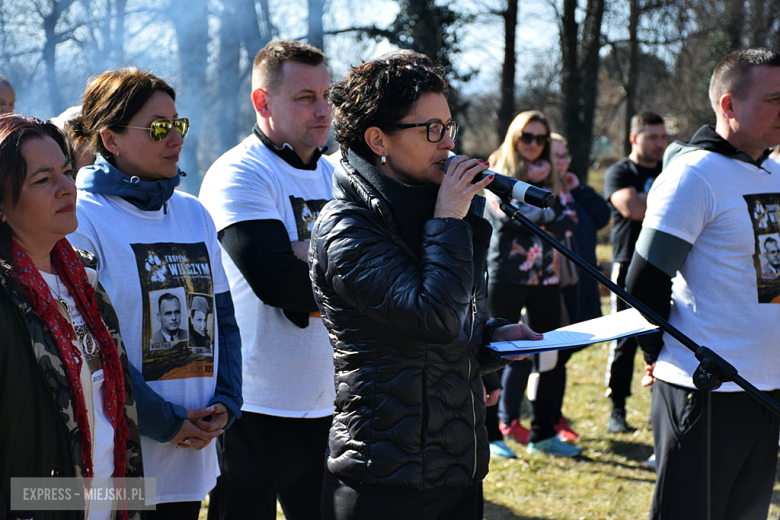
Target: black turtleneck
[413, 206]
[287, 154]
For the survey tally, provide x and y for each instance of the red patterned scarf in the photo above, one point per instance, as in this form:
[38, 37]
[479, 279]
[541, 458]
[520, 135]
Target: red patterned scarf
[73, 275]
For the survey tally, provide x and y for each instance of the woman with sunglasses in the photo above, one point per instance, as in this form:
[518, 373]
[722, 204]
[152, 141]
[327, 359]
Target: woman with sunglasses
[524, 272]
[397, 261]
[157, 252]
[65, 394]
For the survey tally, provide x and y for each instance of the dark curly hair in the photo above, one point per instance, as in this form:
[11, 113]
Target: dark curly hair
[379, 93]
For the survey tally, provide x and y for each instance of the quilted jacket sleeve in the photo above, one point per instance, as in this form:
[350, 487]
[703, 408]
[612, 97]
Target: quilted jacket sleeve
[371, 271]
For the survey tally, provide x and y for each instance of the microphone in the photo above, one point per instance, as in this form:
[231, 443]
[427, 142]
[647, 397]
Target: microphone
[507, 187]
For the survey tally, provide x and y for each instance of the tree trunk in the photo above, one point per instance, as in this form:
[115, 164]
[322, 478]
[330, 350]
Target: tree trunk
[632, 72]
[228, 77]
[49, 51]
[507, 109]
[268, 28]
[192, 36]
[315, 36]
[588, 87]
[118, 33]
[579, 78]
[735, 18]
[254, 35]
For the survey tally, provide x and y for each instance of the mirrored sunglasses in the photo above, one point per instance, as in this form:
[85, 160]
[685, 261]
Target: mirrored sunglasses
[159, 128]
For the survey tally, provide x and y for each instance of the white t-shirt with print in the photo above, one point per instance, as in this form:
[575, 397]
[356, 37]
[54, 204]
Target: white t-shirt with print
[288, 371]
[153, 264]
[721, 299]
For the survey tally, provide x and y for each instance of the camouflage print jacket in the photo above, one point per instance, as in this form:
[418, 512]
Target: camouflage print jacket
[39, 436]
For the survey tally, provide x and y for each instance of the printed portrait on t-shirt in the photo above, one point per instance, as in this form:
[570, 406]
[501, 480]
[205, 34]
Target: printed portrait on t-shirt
[168, 320]
[306, 212]
[201, 321]
[178, 322]
[764, 212]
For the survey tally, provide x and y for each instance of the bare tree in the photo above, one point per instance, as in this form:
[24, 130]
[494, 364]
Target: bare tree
[580, 47]
[239, 29]
[508, 69]
[190, 18]
[51, 13]
[316, 32]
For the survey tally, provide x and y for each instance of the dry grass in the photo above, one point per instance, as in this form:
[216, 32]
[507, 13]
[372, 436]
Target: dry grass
[609, 480]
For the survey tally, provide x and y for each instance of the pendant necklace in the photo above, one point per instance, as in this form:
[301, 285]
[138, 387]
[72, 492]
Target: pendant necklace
[88, 343]
[59, 294]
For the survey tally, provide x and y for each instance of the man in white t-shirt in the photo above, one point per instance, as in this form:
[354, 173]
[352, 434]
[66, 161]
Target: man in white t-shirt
[264, 196]
[698, 261]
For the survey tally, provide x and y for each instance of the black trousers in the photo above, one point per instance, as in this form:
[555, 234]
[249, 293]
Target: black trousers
[744, 454]
[543, 307]
[347, 499]
[175, 511]
[620, 365]
[262, 458]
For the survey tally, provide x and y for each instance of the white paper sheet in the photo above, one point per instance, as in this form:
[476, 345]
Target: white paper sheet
[613, 326]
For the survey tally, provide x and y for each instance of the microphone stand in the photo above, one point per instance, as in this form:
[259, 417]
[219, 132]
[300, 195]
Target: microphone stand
[712, 371]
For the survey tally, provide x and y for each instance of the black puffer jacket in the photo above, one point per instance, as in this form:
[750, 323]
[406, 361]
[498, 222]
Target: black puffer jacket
[403, 296]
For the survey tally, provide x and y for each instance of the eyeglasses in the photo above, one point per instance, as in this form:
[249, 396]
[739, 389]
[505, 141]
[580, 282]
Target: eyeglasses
[161, 127]
[563, 158]
[435, 129]
[528, 138]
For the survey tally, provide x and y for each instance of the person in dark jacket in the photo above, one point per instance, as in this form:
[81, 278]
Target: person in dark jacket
[65, 388]
[583, 300]
[397, 262]
[525, 273]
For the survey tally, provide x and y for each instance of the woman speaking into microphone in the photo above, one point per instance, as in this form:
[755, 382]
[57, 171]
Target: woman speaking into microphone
[397, 262]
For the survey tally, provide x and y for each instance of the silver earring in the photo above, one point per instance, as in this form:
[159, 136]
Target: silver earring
[383, 160]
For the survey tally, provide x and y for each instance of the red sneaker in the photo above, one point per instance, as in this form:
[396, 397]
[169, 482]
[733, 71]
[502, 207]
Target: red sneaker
[515, 430]
[564, 431]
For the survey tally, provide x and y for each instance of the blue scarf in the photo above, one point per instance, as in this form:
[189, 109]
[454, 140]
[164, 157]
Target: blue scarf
[105, 179]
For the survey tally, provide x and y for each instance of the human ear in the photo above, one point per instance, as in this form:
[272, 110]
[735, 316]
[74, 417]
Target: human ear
[109, 141]
[376, 140]
[726, 103]
[260, 102]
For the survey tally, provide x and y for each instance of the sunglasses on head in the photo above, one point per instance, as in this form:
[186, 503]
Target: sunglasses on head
[159, 128]
[528, 138]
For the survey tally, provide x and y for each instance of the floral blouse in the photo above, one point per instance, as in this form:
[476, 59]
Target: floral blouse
[517, 255]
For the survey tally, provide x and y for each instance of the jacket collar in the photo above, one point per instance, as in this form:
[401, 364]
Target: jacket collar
[287, 154]
[102, 177]
[706, 138]
[403, 206]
